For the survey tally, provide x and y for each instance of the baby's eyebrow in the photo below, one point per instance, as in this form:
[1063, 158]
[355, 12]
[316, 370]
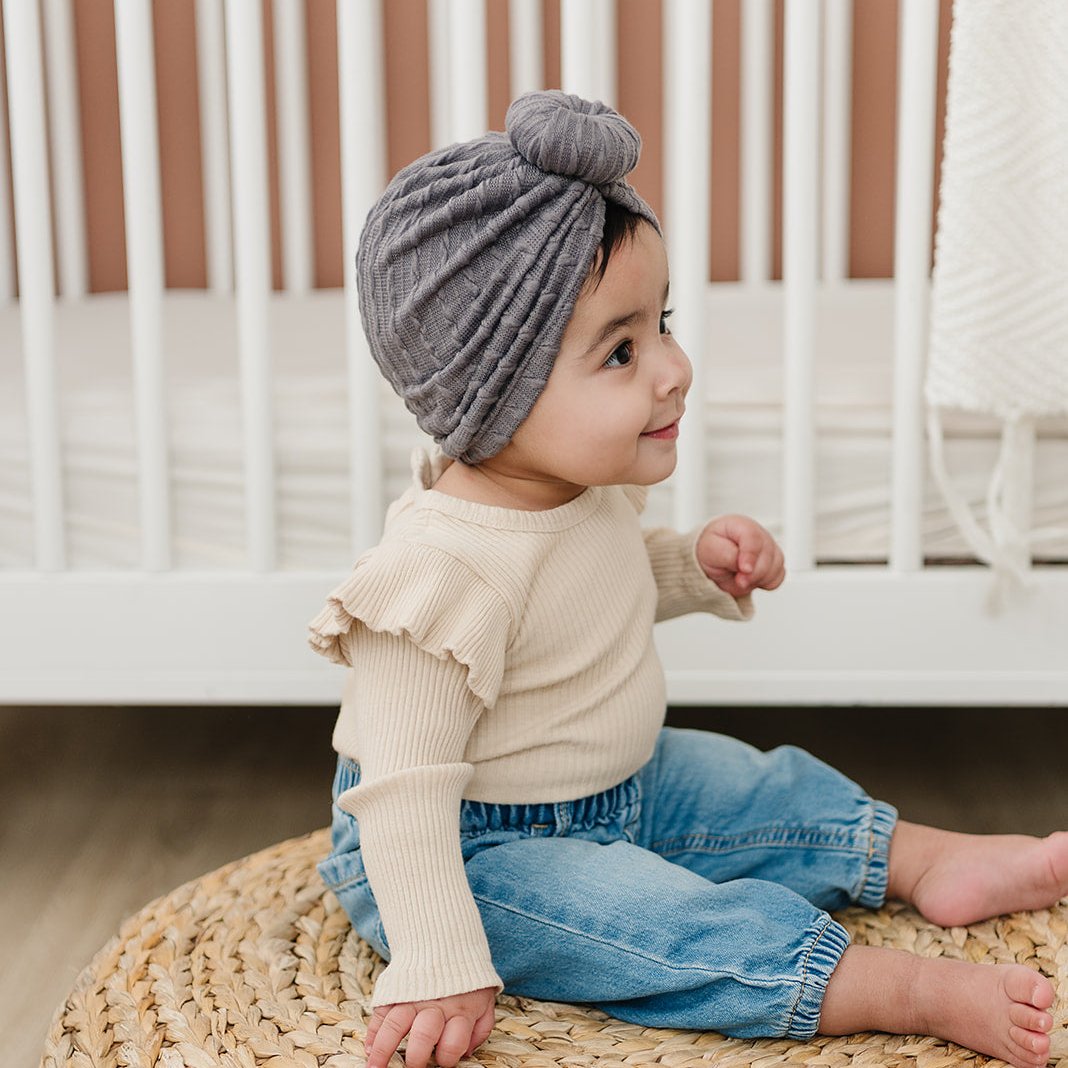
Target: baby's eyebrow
[618, 323]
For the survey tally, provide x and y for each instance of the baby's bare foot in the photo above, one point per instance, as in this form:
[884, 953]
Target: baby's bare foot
[996, 1009]
[1000, 1010]
[956, 879]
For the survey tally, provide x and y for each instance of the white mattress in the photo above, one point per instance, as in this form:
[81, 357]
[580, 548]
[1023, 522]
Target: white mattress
[743, 412]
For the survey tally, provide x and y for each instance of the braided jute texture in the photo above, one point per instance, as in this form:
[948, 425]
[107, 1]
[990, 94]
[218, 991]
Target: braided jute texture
[256, 964]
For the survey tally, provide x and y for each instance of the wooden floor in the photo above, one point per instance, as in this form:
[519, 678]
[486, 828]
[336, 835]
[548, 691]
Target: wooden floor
[104, 809]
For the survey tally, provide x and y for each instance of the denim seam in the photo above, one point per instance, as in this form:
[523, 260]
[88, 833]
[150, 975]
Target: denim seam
[869, 853]
[354, 881]
[633, 815]
[876, 818]
[744, 980]
[516, 833]
[776, 837]
[804, 973]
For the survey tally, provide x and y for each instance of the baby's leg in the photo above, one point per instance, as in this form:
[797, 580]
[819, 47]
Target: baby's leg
[725, 810]
[955, 879]
[999, 1010]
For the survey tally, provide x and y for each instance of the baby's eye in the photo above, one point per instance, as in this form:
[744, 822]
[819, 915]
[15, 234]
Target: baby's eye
[623, 356]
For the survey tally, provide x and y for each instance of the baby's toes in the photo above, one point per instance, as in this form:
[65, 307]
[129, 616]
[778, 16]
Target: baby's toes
[1028, 987]
[1057, 853]
[1033, 1048]
[1030, 1018]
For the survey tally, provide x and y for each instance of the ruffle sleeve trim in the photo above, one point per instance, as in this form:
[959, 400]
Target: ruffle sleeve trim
[431, 597]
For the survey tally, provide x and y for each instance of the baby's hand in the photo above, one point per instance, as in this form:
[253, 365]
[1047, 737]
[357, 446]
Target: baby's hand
[457, 1025]
[739, 555]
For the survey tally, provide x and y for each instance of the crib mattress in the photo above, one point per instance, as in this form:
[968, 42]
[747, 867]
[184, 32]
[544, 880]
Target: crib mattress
[743, 411]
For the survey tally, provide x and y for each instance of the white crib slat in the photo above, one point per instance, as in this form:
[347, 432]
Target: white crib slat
[608, 61]
[438, 17]
[917, 88]
[469, 98]
[578, 46]
[363, 176]
[294, 143]
[588, 49]
[837, 116]
[525, 41]
[61, 71]
[244, 41]
[144, 268]
[214, 135]
[7, 234]
[687, 174]
[33, 227]
[800, 214]
[757, 137]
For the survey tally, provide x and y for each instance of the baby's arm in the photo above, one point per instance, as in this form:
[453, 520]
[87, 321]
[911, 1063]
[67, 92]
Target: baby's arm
[683, 584]
[410, 728]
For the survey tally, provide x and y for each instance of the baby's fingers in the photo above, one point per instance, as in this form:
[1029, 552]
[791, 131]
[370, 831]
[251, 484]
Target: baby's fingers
[372, 1029]
[482, 1029]
[761, 569]
[425, 1032]
[384, 1042]
[453, 1042]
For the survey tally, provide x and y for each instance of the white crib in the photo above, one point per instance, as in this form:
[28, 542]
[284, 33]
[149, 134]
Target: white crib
[186, 473]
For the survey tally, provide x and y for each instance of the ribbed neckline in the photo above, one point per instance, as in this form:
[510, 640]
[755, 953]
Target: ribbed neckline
[498, 518]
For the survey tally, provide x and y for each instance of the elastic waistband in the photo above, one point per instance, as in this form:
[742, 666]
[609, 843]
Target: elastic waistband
[553, 817]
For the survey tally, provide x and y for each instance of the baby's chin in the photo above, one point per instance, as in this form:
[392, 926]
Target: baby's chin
[635, 477]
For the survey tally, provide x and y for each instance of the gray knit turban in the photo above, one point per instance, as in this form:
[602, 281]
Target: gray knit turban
[471, 261]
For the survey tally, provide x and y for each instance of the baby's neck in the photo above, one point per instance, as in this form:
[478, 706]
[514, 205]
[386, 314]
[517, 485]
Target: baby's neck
[503, 490]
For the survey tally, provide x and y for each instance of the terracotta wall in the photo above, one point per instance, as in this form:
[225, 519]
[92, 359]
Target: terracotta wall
[639, 70]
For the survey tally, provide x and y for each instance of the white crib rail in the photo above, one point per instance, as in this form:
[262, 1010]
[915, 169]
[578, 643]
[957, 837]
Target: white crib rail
[687, 174]
[363, 176]
[144, 270]
[252, 260]
[458, 71]
[33, 224]
[799, 267]
[66, 150]
[294, 141]
[917, 74]
[525, 47]
[757, 138]
[587, 68]
[214, 136]
[837, 114]
[902, 633]
[7, 245]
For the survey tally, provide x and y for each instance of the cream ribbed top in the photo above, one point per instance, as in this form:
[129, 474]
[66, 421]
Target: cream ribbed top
[503, 656]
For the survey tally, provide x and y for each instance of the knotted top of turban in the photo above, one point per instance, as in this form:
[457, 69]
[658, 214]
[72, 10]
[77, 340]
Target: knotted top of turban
[470, 263]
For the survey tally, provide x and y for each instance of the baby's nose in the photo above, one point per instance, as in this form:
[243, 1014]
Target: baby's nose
[677, 372]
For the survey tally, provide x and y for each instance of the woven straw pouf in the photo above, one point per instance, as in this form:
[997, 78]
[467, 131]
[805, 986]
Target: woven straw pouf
[256, 964]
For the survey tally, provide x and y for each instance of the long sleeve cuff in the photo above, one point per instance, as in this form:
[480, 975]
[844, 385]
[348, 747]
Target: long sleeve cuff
[409, 834]
[683, 586]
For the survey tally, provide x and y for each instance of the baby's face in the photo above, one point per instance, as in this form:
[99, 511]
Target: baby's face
[609, 412]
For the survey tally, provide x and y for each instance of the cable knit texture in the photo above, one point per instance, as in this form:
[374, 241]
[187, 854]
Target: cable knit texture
[471, 261]
[502, 656]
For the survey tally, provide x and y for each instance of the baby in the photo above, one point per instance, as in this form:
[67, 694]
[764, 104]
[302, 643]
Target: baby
[510, 812]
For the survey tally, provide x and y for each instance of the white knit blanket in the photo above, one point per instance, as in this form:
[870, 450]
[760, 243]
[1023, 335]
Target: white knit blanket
[999, 304]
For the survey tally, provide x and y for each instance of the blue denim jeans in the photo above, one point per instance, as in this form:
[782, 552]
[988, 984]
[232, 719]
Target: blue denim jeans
[692, 895]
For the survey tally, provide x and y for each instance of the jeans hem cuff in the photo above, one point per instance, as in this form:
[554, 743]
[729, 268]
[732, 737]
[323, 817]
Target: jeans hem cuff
[823, 958]
[876, 876]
